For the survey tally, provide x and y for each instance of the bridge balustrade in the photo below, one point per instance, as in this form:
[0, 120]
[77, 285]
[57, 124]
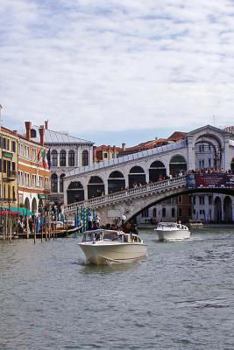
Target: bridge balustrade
[129, 194]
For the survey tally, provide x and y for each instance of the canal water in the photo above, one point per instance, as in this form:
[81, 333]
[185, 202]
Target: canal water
[180, 297]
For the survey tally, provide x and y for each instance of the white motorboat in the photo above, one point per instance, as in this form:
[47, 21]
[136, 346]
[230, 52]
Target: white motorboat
[109, 246]
[172, 231]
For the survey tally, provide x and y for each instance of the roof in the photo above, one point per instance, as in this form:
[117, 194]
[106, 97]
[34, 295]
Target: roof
[144, 146]
[58, 137]
[177, 135]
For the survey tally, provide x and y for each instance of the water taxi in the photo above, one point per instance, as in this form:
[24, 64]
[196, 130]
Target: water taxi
[172, 231]
[104, 246]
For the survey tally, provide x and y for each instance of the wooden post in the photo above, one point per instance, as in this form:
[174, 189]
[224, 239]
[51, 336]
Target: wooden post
[34, 230]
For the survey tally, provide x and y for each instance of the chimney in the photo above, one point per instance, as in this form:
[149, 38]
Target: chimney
[46, 124]
[28, 126]
[123, 146]
[42, 135]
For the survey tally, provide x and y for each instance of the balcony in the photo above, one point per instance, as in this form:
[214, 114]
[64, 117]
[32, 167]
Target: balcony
[9, 176]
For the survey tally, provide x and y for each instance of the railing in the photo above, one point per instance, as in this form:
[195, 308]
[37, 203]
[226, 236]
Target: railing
[9, 176]
[129, 194]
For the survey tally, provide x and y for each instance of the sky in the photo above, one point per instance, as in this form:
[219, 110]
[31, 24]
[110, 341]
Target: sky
[114, 71]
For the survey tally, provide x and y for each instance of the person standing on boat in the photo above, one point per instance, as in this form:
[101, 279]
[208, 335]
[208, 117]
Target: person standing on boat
[90, 220]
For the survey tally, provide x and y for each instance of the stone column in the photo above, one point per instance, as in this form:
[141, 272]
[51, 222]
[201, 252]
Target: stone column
[190, 153]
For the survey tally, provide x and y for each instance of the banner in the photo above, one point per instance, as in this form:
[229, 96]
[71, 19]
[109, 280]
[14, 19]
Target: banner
[212, 180]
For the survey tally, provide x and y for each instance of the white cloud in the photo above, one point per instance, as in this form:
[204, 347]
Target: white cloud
[116, 65]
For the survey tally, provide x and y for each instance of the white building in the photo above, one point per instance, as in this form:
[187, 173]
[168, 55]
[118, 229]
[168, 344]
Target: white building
[66, 153]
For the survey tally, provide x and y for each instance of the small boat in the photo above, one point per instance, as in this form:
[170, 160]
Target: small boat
[172, 231]
[195, 224]
[104, 246]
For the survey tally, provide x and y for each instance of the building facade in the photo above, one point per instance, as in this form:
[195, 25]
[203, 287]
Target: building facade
[33, 171]
[8, 168]
[65, 153]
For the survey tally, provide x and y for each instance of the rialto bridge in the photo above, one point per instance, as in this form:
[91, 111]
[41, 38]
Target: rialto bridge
[128, 184]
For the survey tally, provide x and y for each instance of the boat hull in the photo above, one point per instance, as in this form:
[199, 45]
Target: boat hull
[172, 235]
[100, 254]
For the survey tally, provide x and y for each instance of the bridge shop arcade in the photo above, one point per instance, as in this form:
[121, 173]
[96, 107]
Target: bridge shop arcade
[207, 148]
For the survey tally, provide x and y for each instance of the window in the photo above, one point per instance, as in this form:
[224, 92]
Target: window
[201, 200]
[54, 158]
[13, 147]
[71, 158]
[105, 155]
[173, 212]
[63, 158]
[164, 212]
[85, 158]
[61, 182]
[54, 183]
[145, 213]
[210, 200]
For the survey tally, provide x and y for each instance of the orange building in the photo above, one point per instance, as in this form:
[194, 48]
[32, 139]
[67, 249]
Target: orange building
[104, 152]
[33, 171]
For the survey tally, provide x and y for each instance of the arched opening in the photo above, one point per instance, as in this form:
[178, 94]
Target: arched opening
[178, 165]
[61, 180]
[95, 187]
[227, 210]
[116, 182]
[27, 203]
[54, 183]
[75, 192]
[208, 152]
[232, 165]
[85, 158]
[62, 159]
[40, 205]
[54, 158]
[157, 171]
[34, 205]
[136, 177]
[71, 158]
[217, 210]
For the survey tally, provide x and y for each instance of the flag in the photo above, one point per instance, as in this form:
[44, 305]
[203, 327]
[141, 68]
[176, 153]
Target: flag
[42, 158]
[48, 159]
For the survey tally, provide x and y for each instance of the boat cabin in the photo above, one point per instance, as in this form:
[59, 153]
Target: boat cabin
[110, 235]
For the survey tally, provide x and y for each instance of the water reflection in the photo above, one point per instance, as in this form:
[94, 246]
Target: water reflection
[109, 268]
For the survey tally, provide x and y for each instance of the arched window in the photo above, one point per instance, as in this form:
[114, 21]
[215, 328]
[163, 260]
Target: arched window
[75, 192]
[54, 183]
[54, 158]
[71, 158]
[61, 183]
[62, 158]
[232, 165]
[85, 158]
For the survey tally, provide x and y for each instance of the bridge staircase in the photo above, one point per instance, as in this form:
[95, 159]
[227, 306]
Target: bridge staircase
[160, 189]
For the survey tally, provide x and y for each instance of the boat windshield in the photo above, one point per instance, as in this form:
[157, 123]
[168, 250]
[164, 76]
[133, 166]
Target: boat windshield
[97, 235]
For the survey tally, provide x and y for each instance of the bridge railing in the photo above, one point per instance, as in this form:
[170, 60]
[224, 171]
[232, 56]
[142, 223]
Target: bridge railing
[133, 192]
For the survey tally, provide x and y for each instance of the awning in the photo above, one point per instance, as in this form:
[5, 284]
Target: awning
[15, 211]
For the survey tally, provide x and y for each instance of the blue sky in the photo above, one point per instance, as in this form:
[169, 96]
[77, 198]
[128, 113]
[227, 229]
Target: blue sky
[119, 70]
